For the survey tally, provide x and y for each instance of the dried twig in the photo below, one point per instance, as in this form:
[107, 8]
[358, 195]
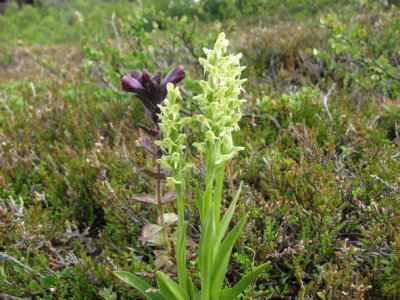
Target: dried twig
[271, 118]
[392, 187]
[6, 257]
[325, 100]
[9, 297]
[376, 64]
[116, 32]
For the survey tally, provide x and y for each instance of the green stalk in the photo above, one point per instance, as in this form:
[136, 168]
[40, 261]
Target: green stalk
[181, 243]
[218, 192]
[160, 208]
[206, 255]
[210, 172]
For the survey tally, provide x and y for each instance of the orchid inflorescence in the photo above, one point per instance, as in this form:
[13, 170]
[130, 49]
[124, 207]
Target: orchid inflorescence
[219, 101]
[221, 111]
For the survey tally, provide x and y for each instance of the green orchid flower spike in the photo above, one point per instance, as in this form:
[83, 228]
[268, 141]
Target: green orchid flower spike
[173, 160]
[220, 104]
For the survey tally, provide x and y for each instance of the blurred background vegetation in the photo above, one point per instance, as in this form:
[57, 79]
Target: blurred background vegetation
[321, 129]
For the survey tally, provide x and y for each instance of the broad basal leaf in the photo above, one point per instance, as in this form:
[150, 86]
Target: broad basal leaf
[169, 288]
[221, 259]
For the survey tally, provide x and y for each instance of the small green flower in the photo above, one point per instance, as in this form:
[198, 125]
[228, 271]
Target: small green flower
[174, 138]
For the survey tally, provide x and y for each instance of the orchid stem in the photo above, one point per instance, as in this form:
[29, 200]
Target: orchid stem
[210, 172]
[181, 242]
[160, 208]
[218, 192]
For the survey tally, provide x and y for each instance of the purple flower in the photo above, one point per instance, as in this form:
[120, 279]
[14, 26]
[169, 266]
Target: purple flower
[151, 90]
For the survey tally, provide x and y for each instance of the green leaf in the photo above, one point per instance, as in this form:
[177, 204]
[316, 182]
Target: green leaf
[34, 287]
[19, 269]
[170, 289]
[206, 248]
[193, 291]
[181, 256]
[217, 198]
[221, 259]
[232, 293]
[139, 284]
[223, 225]
[199, 201]
[67, 273]
[2, 275]
[48, 281]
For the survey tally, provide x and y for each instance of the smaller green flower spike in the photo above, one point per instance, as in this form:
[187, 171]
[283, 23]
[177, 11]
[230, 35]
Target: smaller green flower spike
[220, 100]
[174, 140]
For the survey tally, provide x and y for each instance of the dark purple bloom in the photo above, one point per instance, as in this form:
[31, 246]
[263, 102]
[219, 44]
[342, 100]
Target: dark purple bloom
[151, 90]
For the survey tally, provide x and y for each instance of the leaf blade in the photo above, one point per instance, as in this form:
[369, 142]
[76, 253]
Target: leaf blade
[243, 283]
[223, 225]
[139, 284]
[205, 258]
[221, 259]
[169, 288]
[199, 201]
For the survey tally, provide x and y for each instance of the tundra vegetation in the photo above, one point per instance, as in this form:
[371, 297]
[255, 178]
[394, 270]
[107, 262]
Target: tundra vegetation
[293, 184]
